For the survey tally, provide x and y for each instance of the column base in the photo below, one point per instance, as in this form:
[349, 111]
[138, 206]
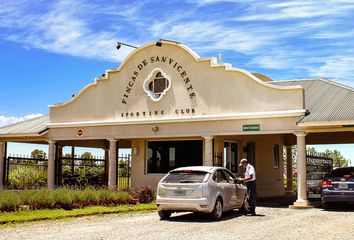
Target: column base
[301, 204]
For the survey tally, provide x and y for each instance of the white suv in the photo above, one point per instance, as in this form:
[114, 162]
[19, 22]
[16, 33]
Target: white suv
[211, 190]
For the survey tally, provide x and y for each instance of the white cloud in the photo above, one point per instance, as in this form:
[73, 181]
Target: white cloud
[297, 10]
[339, 68]
[5, 120]
[65, 29]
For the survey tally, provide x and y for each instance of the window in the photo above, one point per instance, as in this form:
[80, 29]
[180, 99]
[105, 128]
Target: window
[276, 156]
[185, 177]
[219, 177]
[163, 156]
[230, 178]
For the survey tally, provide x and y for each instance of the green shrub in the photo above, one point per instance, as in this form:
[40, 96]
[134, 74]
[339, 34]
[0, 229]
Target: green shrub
[41, 199]
[122, 195]
[63, 198]
[9, 201]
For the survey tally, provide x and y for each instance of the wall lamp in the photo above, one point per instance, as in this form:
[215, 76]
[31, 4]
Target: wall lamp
[159, 42]
[119, 45]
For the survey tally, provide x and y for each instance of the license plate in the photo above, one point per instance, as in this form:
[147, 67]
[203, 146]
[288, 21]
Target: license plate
[180, 192]
[342, 185]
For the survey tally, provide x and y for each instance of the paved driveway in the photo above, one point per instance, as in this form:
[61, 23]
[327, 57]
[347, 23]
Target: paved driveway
[271, 223]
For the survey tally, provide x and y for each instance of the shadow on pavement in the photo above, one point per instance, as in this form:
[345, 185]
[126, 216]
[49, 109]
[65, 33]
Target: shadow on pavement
[204, 218]
[340, 207]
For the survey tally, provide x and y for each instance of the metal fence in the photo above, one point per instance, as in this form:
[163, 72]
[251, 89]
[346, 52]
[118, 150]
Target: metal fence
[25, 172]
[81, 172]
[124, 172]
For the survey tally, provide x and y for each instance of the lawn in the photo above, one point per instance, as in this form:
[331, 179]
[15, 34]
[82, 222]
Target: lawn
[46, 214]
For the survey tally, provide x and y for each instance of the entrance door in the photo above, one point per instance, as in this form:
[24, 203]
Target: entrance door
[230, 156]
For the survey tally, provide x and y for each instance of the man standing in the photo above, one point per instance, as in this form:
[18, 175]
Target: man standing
[250, 180]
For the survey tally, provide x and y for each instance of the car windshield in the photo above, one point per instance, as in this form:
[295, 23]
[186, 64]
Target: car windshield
[185, 177]
[341, 172]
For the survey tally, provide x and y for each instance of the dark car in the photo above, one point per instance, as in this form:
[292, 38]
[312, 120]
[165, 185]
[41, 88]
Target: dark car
[338, 187]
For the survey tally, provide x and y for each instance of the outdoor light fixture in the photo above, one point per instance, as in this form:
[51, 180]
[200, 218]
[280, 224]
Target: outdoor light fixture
[159, 42]
[119, 45]
[155, 128]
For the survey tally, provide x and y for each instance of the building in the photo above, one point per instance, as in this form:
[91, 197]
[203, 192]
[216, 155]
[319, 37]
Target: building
[173, 108]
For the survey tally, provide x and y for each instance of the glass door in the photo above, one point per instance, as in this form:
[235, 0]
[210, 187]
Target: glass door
[230, 156]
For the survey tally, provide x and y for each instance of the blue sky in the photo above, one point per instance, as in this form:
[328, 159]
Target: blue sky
[51, 49]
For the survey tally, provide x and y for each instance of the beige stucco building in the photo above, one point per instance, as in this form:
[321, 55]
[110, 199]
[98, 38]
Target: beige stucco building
[173, 108]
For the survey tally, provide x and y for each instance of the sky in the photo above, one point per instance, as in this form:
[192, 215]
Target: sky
[52, 49]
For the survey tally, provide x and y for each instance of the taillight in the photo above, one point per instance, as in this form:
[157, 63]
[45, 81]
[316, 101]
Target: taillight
[326, 183]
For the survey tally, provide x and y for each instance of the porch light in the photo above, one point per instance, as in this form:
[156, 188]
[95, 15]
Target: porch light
[119, 45]
[159, 42]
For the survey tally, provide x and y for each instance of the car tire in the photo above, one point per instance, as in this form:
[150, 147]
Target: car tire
[217, 212]
[245, 206]
[326, 205]
[164, 215]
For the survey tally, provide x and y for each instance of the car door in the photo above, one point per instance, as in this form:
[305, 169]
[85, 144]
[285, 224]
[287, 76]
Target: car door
[233, 190]
[223, 186]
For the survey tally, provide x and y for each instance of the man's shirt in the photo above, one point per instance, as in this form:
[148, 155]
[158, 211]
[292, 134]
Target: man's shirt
[249, 171]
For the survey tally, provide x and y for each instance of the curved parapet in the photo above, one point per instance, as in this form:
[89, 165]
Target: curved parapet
[197, 84]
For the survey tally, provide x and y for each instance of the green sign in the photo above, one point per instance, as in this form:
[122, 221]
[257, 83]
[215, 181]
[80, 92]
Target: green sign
[251, 127]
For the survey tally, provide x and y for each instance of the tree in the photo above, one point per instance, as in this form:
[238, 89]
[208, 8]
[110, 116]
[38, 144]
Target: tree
[338, 159]
[87, 155]
[38, 154]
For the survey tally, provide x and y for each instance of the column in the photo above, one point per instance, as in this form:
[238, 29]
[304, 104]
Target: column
[106, 159]
[208, 151]
[301, 170]
[2, 163]
[112, 164]
[51, 164]
[289, 170]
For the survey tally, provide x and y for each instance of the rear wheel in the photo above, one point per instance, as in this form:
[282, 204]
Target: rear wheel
[164, 215]
[218, 210]
[245, 206]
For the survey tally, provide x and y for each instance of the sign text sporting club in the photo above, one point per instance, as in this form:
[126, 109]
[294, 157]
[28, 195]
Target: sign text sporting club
[159, 59]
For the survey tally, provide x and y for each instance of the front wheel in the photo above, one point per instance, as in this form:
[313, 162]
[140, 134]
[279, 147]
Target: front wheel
[164, 215]
[216, 214]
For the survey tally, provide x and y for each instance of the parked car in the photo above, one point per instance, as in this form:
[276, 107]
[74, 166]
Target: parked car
[338, 186]
[211, 190]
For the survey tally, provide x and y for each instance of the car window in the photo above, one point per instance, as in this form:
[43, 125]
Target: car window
[219, 177]
[340, 172]
[229, 177]
[185, 177]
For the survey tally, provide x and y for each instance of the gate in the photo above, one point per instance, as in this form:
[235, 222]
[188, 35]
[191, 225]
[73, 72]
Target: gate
[81, 172]
[124, 172]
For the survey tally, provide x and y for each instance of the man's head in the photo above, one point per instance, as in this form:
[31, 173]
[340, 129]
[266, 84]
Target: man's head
[243, 162]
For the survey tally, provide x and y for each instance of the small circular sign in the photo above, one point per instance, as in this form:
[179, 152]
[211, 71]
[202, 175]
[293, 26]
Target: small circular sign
[80, 132]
